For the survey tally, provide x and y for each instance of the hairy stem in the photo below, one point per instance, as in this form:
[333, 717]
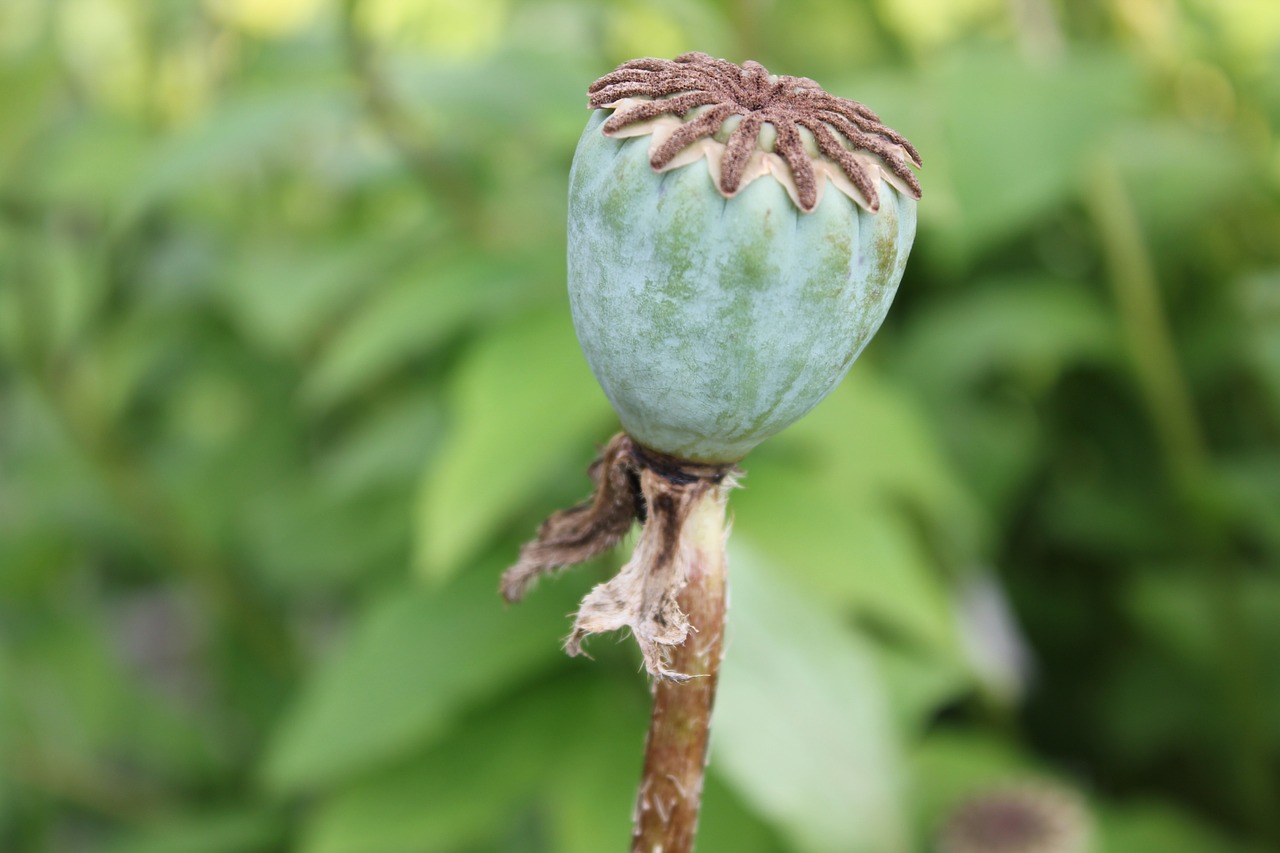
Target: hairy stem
[666, 813]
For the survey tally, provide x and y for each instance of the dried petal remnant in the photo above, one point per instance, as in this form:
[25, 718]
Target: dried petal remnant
[642, 596]
[631, 484]
[849, 138]
[587, 530]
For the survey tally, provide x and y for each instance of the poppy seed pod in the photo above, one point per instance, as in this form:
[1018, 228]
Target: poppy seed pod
[735, 240]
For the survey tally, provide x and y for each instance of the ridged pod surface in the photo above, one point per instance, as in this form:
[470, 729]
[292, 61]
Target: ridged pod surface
[713, 322]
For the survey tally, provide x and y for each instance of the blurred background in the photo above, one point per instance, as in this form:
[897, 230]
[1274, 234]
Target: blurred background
[287, 376]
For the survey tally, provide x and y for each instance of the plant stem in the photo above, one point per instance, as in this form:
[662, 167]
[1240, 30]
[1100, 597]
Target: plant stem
[1187, 456]
[1146, 327]
[667, 805]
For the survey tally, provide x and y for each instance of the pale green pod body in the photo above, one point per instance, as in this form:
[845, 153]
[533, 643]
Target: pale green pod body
[712, 323]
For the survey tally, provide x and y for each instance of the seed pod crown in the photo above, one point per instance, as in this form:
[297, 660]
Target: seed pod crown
[747, 123]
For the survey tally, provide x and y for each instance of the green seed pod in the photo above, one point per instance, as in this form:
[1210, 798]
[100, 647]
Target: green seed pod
[735, 240]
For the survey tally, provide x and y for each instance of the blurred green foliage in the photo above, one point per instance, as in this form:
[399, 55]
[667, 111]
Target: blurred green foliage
[286, 376]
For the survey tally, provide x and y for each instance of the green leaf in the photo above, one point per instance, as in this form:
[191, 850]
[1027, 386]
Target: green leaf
[948, 767]
[284, 295]
[863, 557]
[1170, 198]
[1167, 603]
[919, 684]
[1029, 329]
[871, 441]
[594, 792]
[827, 499]
[97, 161]
[525, 407]
[385, 447]
[1259, 308]
[1010, 138]
[1170, 605]
[305, 539]
[730, 822]
[409, 316]
[1019, 335]
[417, 660]
[513, 88]
[229, 832]
[803, 728]
[82, 694]
[573, 741]
[463, 791]
[28, 94]
[1250, 483]
[244, 130]
[1153, 827]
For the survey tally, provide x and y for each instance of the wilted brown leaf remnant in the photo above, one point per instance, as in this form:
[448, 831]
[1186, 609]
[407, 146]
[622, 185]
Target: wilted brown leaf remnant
[587, 530]
[632, 483]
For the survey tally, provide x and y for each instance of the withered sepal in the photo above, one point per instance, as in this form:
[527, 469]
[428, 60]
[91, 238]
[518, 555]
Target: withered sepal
[632, 484]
